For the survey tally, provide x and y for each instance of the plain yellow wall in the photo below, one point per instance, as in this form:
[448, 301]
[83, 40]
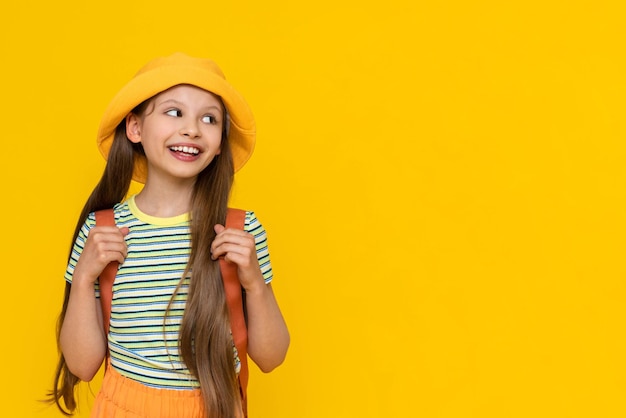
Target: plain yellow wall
[443, 183]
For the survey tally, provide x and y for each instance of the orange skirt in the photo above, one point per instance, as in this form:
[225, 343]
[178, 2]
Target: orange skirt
[121, 397]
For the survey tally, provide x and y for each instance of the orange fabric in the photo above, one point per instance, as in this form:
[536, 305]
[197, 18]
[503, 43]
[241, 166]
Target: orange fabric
[121, 397]
[234, 298]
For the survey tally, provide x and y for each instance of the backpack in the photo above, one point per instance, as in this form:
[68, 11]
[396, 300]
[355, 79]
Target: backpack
[235, 296]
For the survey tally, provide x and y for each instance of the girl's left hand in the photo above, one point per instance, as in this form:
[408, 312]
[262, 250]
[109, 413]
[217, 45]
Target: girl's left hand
[237, 246]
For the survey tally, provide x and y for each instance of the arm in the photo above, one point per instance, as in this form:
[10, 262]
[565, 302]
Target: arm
[268, 337]
[82, 338]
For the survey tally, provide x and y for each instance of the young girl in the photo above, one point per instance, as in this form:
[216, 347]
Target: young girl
[179, 127]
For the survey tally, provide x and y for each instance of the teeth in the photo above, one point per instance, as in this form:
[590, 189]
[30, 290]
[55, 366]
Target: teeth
[186, 149]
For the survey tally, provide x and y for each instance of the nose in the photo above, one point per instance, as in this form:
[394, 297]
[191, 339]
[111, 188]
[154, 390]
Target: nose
[190, 129]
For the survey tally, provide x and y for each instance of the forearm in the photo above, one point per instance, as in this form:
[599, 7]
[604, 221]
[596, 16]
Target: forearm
[82, 338]
[268, 337]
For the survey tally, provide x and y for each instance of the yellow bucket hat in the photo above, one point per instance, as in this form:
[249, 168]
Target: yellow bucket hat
[162, 73]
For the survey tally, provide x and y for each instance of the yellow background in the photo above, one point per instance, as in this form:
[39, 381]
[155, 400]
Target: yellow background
[443, 183]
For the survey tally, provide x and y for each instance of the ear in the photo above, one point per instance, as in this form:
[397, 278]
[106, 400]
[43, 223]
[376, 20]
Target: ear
[133, 128]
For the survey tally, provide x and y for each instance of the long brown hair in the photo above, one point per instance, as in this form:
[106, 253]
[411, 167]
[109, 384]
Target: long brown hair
[205, 322]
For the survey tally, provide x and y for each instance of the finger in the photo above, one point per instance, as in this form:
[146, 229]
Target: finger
[233, 235]
[112, 251]
[104, 241]
[107, 229]
[223, 249]
[238, 242]
[222, 234]
[100, 237]
[239, 254]
[107, 257]
[241, 260]
[120, 257]
[107, 240]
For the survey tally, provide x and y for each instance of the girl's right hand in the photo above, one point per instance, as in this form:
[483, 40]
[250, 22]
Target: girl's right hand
[104, 245]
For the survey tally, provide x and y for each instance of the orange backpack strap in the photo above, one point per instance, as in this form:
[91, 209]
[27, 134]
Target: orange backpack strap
[107, 277]
[234, 297]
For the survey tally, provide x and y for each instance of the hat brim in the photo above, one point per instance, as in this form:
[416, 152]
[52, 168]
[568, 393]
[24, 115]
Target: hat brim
[242, 130]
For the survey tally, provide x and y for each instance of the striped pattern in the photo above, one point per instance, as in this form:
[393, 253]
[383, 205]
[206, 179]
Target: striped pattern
[158, 251]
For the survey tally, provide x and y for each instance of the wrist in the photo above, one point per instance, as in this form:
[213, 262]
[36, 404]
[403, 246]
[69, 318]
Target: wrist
[82, 281]
[258, 287]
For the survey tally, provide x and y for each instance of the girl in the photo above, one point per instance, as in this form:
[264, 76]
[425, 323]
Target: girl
[181, 129]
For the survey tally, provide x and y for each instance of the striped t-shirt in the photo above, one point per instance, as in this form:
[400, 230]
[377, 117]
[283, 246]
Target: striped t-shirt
[141, 346]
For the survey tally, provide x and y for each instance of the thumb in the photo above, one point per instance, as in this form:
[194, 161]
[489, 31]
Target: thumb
[218, 228]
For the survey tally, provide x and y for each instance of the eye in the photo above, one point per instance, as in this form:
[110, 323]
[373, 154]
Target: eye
[209, 119]
[174, 112]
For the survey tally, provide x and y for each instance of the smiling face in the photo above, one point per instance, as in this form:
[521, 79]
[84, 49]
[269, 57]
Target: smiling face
[180, 131]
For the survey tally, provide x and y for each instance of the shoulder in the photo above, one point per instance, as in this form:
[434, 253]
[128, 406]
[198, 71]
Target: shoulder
[253, 225]
[123, 213]
[120, 212]
[90, 222]
[251, 220]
